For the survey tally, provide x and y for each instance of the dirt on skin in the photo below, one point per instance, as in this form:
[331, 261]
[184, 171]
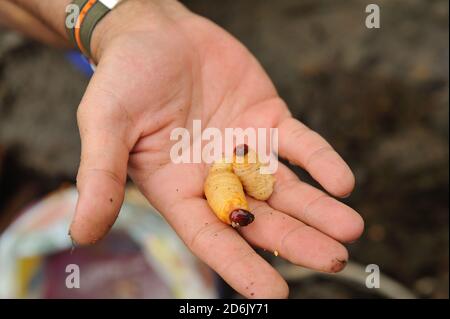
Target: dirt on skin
[380, 96]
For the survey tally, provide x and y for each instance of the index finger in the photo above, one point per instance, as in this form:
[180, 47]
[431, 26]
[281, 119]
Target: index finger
[306, 148]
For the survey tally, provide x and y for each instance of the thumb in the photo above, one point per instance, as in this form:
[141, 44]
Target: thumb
[101, 179]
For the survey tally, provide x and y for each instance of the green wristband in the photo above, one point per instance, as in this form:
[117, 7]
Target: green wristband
[93, 17]
[71, 28]
[90, 13]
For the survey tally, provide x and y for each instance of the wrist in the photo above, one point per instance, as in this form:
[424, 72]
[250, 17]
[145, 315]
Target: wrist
[131, 16]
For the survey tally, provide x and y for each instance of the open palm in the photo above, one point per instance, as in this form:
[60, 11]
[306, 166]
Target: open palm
[148, 83]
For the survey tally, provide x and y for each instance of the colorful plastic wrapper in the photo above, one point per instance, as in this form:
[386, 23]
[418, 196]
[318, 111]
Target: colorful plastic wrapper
[142, 257]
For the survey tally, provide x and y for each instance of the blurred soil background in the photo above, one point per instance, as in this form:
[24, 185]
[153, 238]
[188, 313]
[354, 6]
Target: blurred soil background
[380, 96]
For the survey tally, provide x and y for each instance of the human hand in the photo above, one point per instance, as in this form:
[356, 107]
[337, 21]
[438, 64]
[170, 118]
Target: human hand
[163, 68]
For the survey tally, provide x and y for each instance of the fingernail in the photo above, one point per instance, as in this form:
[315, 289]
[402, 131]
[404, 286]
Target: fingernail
[74, 243]
[338, 265]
